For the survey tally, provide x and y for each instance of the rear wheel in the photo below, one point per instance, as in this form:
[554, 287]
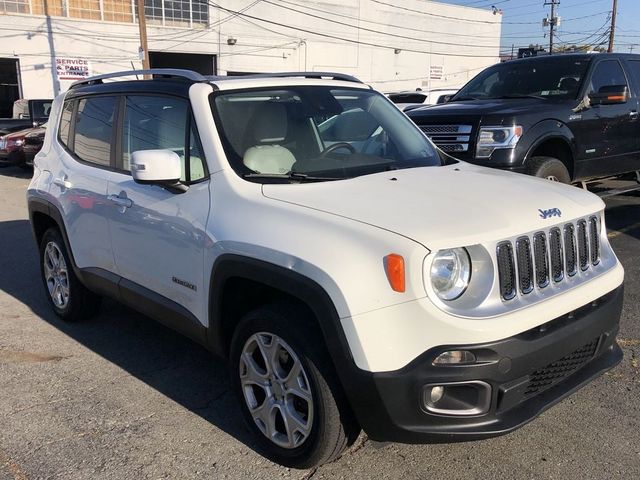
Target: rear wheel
[550, 168]
[69, 298]
[289, 395]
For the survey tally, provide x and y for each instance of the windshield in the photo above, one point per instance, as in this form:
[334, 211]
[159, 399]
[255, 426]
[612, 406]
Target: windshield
[554, 77]
[317, 133]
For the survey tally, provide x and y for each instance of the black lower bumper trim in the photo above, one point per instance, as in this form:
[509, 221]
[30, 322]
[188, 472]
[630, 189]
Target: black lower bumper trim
[528, 373]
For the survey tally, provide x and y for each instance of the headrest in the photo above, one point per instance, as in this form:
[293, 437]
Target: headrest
[269, 123]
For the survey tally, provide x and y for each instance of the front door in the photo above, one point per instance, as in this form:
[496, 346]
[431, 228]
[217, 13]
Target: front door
[606, 134]
[158, 237]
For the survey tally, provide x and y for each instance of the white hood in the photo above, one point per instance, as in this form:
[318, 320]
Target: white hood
[444, 207]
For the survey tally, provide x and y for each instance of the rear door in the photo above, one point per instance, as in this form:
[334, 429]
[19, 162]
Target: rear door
[86, 134]
[158, 237]
[606, 134]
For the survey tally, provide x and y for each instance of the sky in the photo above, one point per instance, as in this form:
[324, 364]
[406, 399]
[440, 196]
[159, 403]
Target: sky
[582, 21]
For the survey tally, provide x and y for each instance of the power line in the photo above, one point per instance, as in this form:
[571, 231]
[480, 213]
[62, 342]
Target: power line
[365, 29]
[350, 40]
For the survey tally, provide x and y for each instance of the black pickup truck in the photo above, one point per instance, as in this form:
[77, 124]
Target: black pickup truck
[568, 118]
[26, 114]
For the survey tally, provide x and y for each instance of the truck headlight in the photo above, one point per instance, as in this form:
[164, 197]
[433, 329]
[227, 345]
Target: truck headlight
[450, 273]
[491, 138]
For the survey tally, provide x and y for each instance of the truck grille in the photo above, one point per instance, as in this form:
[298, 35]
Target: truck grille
[555, 372]
[547, 256]
[449, 138]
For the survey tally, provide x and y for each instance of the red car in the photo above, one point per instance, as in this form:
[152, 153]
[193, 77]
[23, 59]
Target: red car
[33, 144]
[12, 147]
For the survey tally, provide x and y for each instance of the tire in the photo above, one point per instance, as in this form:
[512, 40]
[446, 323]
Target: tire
[68, 297]
[549, 168]
[326, 423]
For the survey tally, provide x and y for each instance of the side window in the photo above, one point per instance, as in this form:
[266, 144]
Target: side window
[161, 123]
[634, 67]
[606, 74]
[93, 129]
[65, 122]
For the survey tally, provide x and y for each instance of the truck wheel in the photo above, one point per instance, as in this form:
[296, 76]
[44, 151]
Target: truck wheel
[69, 298]
[289, 394]
[549, 168]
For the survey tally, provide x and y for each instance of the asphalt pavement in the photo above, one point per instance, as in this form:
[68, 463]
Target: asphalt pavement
[122, 397]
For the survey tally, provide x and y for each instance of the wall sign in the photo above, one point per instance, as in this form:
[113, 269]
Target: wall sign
[436, 72]
[72, 68]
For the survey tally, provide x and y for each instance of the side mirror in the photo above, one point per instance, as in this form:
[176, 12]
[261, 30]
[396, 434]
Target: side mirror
[610, 95]
[158, 167]
[444, 99]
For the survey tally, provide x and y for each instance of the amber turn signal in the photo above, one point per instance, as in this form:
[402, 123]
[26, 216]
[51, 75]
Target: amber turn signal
[394, 268]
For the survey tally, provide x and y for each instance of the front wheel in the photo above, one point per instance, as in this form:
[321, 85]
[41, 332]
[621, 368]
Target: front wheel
[288, 392]
[550, 168]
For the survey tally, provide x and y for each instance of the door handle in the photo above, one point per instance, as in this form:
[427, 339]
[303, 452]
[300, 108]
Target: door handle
[121, 202]
[634, 115]
[62, 182]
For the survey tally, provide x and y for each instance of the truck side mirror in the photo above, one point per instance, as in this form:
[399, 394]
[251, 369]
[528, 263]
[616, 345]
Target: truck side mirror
[610, 95]
[158, 167]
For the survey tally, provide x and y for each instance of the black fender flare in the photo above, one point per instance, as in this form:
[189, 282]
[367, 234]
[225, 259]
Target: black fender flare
[290, 282]
[549, 130]
[39, 205]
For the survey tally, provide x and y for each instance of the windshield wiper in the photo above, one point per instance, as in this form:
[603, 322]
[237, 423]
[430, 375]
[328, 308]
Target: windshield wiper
[521, 96]
[300, 177]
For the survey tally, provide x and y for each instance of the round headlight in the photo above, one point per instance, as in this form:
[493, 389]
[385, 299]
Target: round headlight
[450, 273]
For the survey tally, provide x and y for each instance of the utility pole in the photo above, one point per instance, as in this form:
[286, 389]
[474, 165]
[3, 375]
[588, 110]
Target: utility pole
[552, 22]
[144, 46]
[612, 32]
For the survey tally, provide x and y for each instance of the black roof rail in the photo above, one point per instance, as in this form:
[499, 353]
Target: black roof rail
[158, 72]
[319, 75]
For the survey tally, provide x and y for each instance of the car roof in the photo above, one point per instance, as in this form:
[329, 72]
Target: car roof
[178, 82]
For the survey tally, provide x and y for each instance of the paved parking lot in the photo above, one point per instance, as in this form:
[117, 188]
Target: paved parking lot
[123, 397]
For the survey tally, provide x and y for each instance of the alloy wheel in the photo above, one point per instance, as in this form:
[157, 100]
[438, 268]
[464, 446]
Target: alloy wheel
[276, 390]
[56, 275]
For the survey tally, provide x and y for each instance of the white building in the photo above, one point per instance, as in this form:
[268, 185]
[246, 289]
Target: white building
[393, 45]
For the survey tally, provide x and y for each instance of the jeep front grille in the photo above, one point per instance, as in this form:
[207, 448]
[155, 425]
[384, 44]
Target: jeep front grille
[547, 257]
[449, 138]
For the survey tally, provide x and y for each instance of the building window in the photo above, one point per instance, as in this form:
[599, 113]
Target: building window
[177, 12]
[117, 11]
[159, 12]
[14, 6]
[53, 8]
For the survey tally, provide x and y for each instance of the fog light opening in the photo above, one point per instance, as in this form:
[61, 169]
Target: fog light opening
[461, 398]
[455, 357]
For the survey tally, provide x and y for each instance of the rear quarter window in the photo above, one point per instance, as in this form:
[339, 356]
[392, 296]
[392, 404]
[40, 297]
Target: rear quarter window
[65, 122]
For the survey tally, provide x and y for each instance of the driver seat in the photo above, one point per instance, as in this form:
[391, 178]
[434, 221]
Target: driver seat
[268, 128]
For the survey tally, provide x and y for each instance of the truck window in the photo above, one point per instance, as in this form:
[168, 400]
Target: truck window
[546, 77]
[633, 66]
[607, 74]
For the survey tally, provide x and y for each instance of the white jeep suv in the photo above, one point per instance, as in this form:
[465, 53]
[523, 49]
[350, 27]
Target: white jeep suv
[354, 276]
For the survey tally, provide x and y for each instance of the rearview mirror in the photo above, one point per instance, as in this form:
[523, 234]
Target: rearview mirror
[158, 167]
[610, 95]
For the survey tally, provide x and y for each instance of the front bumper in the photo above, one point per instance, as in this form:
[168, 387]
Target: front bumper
[571, 350]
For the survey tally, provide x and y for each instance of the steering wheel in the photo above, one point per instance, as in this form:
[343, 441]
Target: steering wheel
[336, 146]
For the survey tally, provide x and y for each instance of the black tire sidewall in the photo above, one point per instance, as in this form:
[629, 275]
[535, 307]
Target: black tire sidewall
[543, 167]
[272, 321]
